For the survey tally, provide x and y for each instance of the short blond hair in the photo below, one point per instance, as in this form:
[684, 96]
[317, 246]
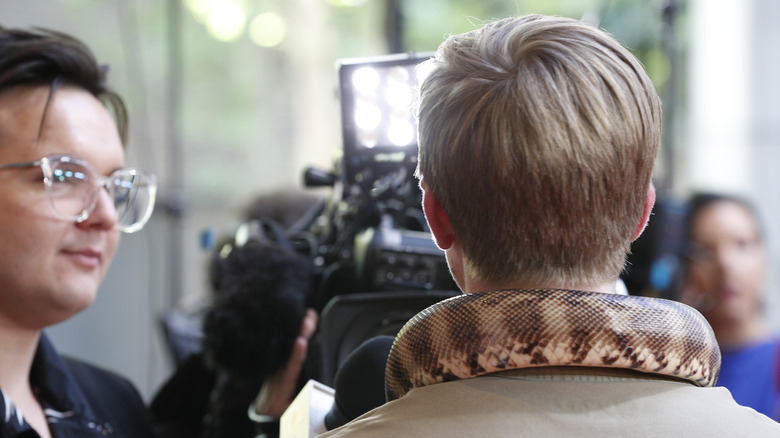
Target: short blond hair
[538, 136]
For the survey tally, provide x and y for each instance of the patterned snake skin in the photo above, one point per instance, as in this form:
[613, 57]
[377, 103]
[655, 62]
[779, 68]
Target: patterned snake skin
[479, 333]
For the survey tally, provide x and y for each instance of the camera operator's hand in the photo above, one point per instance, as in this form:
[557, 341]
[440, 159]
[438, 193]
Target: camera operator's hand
[279, 389]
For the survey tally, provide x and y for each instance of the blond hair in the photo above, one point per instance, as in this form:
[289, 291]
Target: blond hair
[538, 136]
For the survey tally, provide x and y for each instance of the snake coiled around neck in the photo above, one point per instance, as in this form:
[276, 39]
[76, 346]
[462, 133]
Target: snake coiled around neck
[480, 333]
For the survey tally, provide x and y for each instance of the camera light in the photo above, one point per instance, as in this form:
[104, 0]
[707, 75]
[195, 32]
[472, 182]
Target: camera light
[399, 97]
[383, 105]
[365, 80]
[368, 116]
[377, 110]
[400, 133]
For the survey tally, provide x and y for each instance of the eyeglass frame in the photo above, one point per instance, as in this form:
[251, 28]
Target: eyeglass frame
[104, 182]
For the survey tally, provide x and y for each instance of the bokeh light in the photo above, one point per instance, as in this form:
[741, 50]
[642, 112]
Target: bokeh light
[401, 132]
[268, 29]
[226, 20]
[347, 3]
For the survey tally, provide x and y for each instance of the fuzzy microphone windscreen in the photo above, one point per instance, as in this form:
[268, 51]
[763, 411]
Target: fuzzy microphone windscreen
[261, 296]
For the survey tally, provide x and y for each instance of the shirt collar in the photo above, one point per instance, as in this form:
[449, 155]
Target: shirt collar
[56, 387]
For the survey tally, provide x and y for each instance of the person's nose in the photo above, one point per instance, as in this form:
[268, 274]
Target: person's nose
[104, 216]
[725, 260]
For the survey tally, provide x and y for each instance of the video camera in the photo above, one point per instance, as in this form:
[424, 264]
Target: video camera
[372, 235]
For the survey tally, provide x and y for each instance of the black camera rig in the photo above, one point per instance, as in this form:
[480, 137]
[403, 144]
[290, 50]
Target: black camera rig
[371, 234]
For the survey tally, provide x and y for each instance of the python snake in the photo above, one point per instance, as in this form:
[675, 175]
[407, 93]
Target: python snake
[480, 333]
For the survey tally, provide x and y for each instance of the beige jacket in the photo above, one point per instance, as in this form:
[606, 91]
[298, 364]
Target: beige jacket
[562, 403]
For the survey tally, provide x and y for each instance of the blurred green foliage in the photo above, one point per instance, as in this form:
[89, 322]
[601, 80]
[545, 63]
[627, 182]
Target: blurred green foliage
[239, 127]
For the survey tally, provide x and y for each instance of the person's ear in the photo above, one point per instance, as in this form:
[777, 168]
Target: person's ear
[437, 218]
[649, 202]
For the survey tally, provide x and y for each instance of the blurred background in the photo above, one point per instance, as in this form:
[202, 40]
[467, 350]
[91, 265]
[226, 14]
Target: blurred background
[232, 99]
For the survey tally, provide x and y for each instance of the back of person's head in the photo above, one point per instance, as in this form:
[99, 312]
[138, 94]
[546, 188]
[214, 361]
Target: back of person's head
[538, 136]
[48, 58]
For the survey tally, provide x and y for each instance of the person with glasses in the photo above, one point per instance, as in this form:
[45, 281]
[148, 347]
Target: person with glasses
[66, 194]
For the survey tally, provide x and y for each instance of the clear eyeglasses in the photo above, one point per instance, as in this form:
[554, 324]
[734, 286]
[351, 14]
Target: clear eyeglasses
[73, 187]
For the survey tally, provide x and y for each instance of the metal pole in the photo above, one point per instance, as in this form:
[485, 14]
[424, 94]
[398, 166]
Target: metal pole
[174, 202]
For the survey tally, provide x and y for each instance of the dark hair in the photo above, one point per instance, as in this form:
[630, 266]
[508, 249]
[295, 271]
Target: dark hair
[699, 201]
[46, 57]
[262, 291]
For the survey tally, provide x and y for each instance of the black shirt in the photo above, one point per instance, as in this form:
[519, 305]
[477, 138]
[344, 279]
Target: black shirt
[79, 400]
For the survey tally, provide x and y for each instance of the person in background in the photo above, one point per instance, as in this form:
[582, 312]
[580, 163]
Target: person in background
[66, 193]
[257, 324]
[725, 270]
[258, 320]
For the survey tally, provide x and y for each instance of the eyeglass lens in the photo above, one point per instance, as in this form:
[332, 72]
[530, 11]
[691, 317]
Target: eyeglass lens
[70, 189]
[74, 189]
[133, 194]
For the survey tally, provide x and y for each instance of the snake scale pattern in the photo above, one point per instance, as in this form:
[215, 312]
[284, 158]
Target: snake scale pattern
[480, 333]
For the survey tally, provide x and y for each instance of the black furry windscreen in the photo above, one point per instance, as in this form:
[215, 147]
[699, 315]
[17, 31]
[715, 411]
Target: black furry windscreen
[261, 295]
